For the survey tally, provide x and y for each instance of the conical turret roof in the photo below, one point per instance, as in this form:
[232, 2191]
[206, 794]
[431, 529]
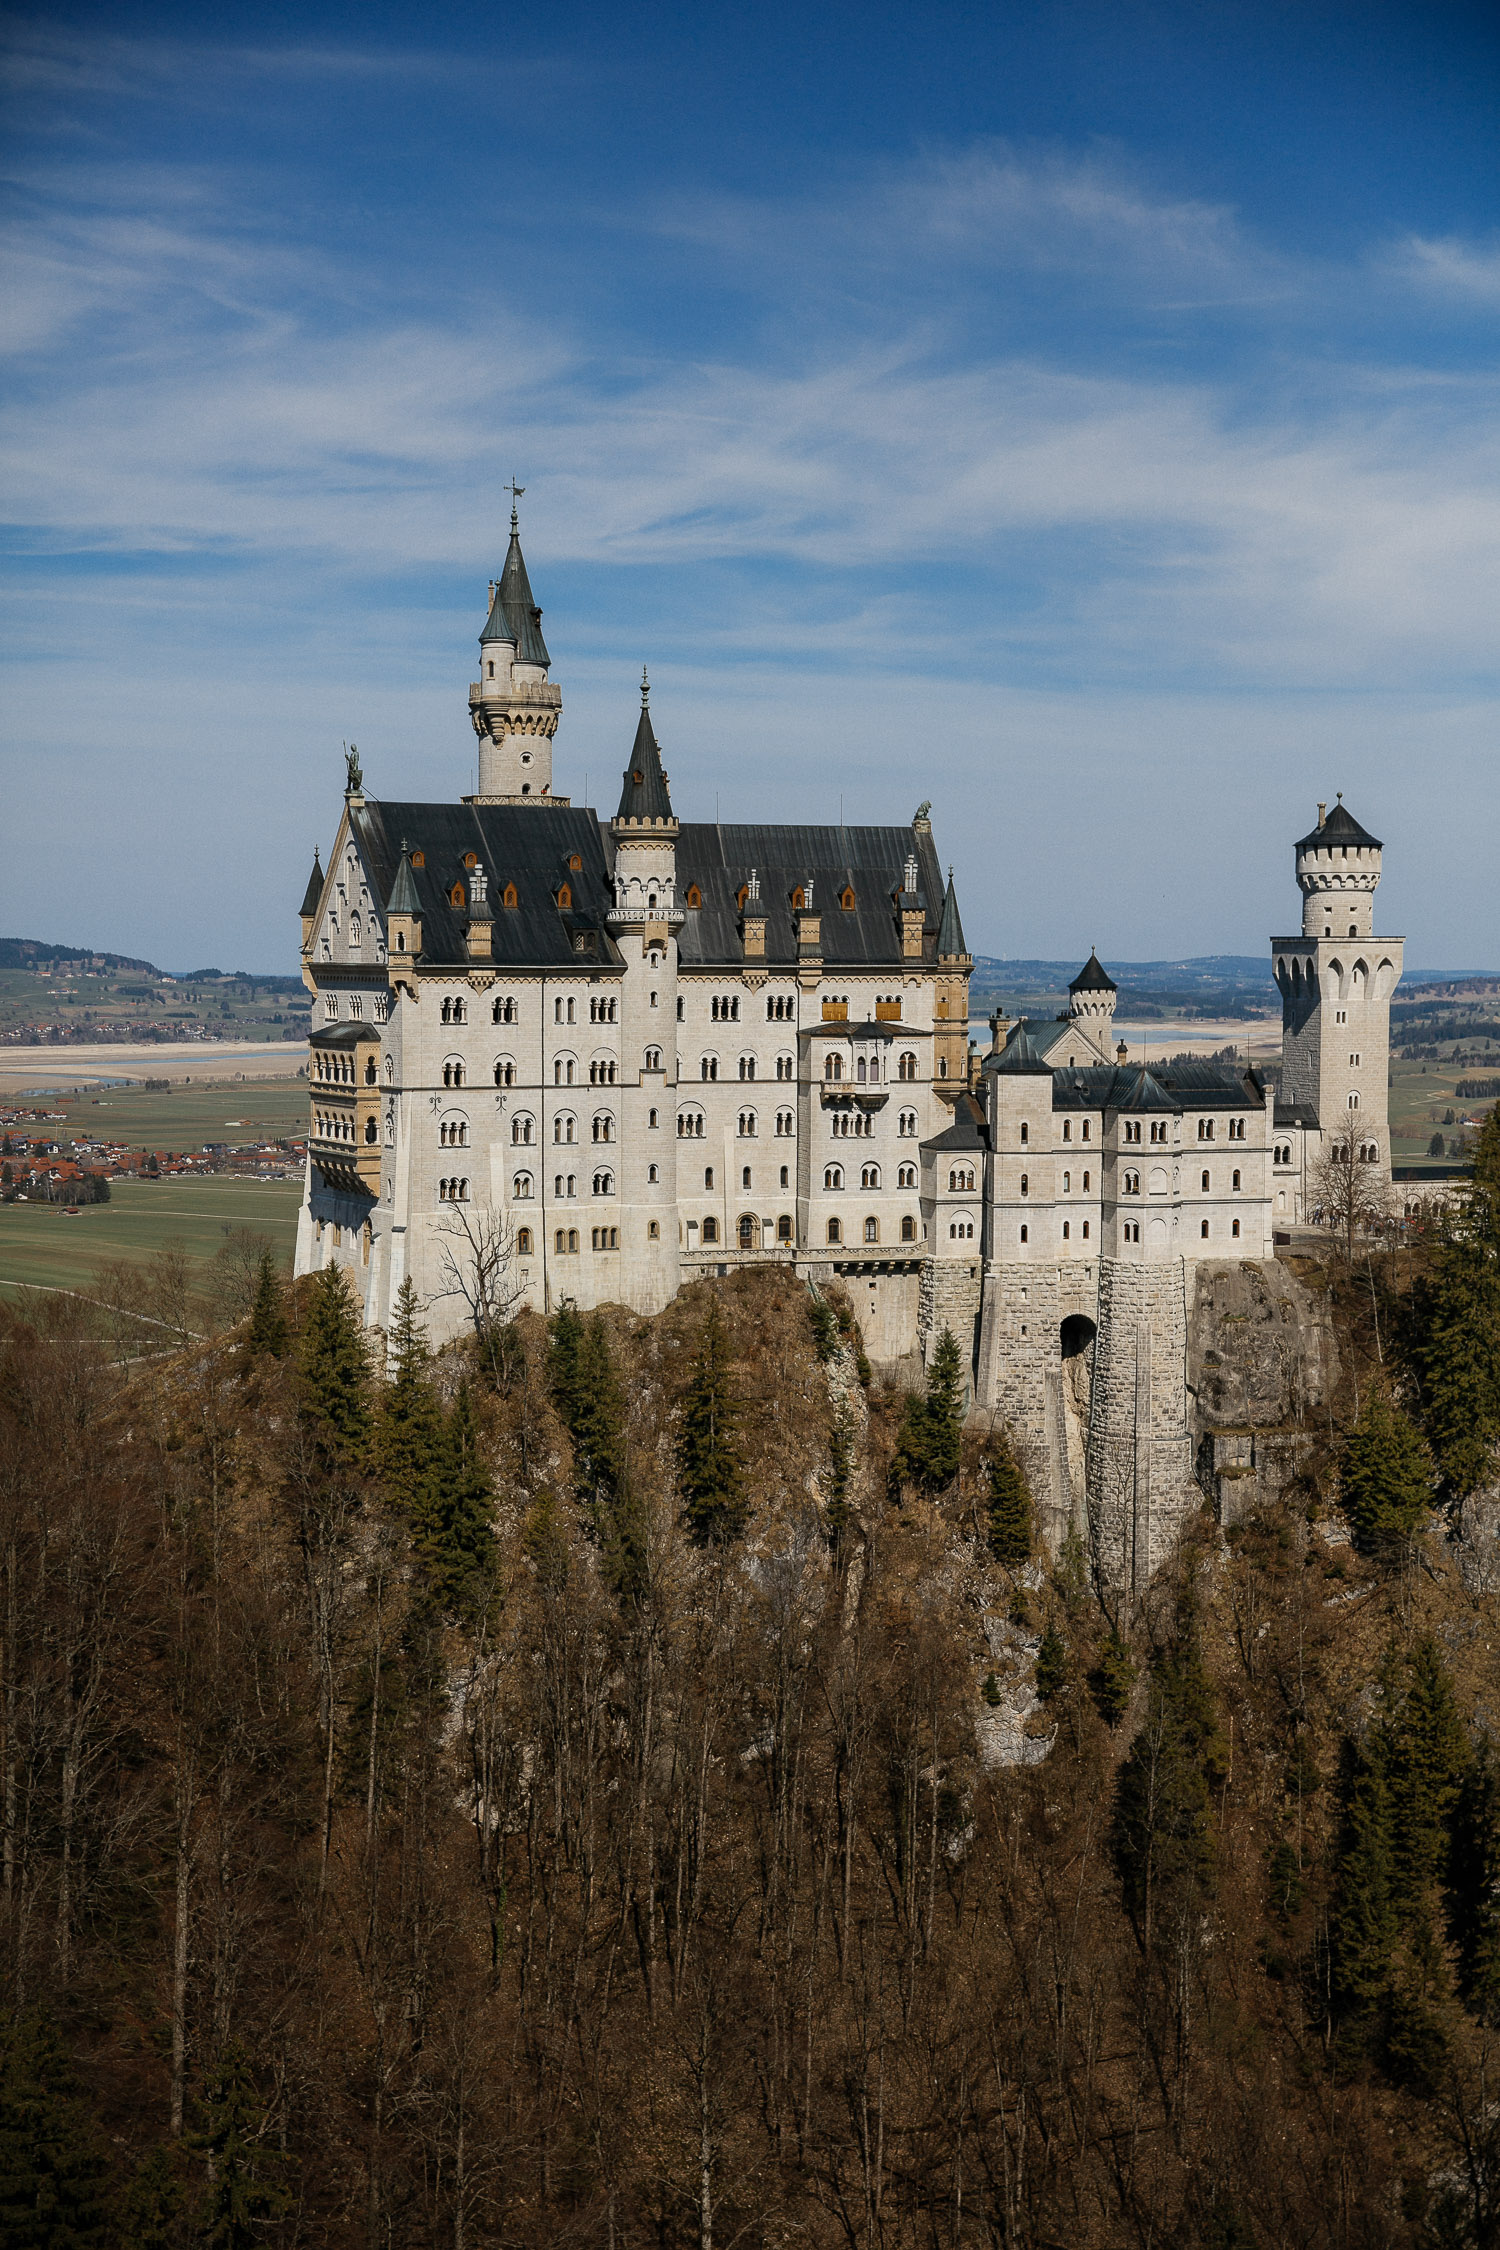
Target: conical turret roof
[1338, 828]
[403, 898]
[1020, 1055]
[314, 891]
[644, 795]
[514, 615]
[950, 942]
[1093, 976]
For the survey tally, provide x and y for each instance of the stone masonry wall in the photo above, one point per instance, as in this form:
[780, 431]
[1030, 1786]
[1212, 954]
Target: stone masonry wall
[1140, 1458]
[949, 1298]
[1020, 1381]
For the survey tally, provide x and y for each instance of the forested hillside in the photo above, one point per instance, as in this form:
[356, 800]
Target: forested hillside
[637, 1785]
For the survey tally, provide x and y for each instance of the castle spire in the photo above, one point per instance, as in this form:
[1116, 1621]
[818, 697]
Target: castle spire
[644, 794]
[950, 942]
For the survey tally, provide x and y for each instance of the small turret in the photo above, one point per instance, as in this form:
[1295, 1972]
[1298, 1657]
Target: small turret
[311, 898]
[1338, 867]
[644, 797]
[1091, 1003]
[513, 705]
[950, 944]
[403, 914]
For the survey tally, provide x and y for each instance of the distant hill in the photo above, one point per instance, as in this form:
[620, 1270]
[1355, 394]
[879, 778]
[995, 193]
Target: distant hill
[31, 953]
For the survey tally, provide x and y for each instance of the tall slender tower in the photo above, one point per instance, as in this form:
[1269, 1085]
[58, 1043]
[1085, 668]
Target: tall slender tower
[1336, 980]
[514, 706]
[644, 922]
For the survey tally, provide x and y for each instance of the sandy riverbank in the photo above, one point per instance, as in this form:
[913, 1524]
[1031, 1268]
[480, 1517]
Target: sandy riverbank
[60, 1068]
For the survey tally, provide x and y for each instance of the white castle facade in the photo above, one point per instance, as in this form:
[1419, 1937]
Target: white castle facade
[611, 1055]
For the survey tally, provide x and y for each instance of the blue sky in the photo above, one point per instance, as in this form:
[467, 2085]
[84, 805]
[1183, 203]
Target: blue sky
[1081, 415]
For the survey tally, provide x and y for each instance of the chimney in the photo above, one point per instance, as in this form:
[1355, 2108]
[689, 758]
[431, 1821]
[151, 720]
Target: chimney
[1122, 1054]
[998, 1026]
[1321, 810]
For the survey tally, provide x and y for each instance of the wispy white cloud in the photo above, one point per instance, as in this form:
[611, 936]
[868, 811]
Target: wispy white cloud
[1455, 268]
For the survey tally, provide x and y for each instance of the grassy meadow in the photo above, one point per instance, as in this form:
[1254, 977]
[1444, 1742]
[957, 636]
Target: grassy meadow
[182, 1116]
[41, 1245]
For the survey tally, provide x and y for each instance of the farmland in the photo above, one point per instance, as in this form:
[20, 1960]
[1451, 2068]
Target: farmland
[41, 1245]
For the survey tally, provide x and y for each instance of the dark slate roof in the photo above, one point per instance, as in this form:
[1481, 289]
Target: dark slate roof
[966, 1133]
[1093, 977]
[514, 616]
[867, 861]
[1020, 1055]
[314, 891]
[1169, 1087]
[1339, 829]
[1295, 1113]
[644, 793]
[950, 942]
[341, 1035]
[528, 845]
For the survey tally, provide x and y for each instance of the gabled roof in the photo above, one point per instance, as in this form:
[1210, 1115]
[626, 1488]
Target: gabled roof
[1340, 828]
[526, 848]
[1020, 1057]
[643, 795]
[950, 942]
[314, 891]
[514, 616]
[1093, 977]
[865, 864]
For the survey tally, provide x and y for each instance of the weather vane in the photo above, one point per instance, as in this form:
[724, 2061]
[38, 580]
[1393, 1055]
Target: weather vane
[517, 493]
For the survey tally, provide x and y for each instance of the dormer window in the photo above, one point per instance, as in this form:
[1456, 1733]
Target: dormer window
[508, 896]
[846, 899]
[564, 896]
[456, 895]
[694, 895]
[798, 901]
[419, 859]
[471, 859]
[574, 862]
[740, 896]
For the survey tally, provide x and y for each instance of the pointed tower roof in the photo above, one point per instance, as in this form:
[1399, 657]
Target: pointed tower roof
[514, 615]
[1020, 1055]
[403, 898]
[1338, 827]
[1148, 1093]
[314, 891]
[950, 942]
[1093, 976]
[644, 795]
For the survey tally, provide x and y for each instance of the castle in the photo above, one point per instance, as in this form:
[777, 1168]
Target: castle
[557, 1058]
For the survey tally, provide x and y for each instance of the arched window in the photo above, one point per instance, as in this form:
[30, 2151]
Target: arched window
[833, 1068]
[653, 1058]
[1067, 1128]
[1067, 1183]
[846, 899]
[523, 1242]
[833, 1176]
[747, 1232]
[456, 895]
[1131, 1184]
[908, 1229]
[1023, 1234]
[372, 1075]
[1025, 1184]
[1234, 1228]
[906, 1125]
[564, 896]
[690, 1124]
[872, 1230]
[604, 1126]
[453, 1132]
[521, 1188]
[784, 1227]
[962, 1230]
[372, 1130]
[453, 1072]
[694, 897]
[710, 1230]
[784, 1066]
[1235, 1184]
[961, 1180]
[1085, 1128]
[709, 1067]
[835, 1230]
[522, 1131]
[869, 1176]
[604, 1183]
[1203, 1230]
[503, 1011]
[505, 1071]
[906, 1066]
[747, 1066]
[508, 898]
[1354, 1101]
[564, 1128]
[1085, 1183]
[1067, 1229]
[1025, 1134]
[1204, 1183]
[747, 1124]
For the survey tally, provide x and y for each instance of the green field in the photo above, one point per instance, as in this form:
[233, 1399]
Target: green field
[1422, 1095]
[39, 1243]
[182, 1117]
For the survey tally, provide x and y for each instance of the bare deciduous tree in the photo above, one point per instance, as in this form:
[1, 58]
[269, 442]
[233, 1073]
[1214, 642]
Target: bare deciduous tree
[477, 1264]
[1355, 1199]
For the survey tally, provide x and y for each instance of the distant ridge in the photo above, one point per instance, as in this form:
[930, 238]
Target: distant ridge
[31, 953]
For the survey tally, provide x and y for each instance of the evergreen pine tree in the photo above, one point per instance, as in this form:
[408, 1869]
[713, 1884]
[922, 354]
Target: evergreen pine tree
[1112, 1681]
[1051, 1665]
[1473, 1887]
[242, 2191]
[1424, 1755]
[153, 2215]
[1363, 1924]
[1456, 1318]
[409, 1435]
[334, 1369]
[453, 1532]
[928, 1447]
[52, 2168]
[710, 1465]
[544, 1543]
[1386, 1478]
[1162, 1835]
[598, 1426]
[268, 1332]
[1010, 1515]
[564, 1370]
